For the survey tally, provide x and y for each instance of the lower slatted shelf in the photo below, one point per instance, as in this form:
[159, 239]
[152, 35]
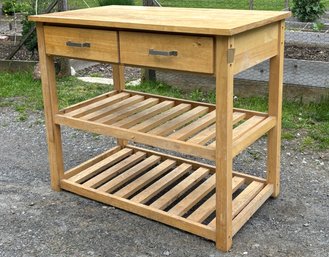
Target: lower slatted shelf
[173, 124]
[174, 191]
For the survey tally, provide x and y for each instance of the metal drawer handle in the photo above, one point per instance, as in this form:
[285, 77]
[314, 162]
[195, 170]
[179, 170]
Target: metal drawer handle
[73, 44]
[163, 53]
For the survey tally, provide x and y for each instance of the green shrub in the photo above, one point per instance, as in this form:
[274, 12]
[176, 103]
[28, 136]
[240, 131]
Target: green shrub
[9, 7]
[115, 2]
[308, 10]
[31, 42]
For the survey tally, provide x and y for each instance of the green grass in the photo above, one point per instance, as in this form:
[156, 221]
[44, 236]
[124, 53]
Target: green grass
[77, 4]
[309, 123]
[21, 91]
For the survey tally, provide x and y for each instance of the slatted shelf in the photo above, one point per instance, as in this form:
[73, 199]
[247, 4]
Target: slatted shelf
[173, 124]
[175, 191]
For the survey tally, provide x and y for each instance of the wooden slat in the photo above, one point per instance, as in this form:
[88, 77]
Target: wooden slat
[162, 183]
[161, 118]
[245, 197]
[110, 109]
[90, 162]
[204, 136]
[251, 208]
[88, 102]
[84, 110]
[209, 206]
[194, 197]
[145, 179]
[176, 100]
[178, 190]
[140, 209]
[115, 170]
[144, 115]
[183, 119]
[210, 132]
[179, 160]
[238, 116]
[248, 178]
[252, 135]
[98, 167]
[127, 111]
[129, 174]
[249, 113]
[243, 128]
[194, 127]
[237, 111]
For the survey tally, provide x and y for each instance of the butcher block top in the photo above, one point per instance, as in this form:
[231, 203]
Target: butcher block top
[166, 19]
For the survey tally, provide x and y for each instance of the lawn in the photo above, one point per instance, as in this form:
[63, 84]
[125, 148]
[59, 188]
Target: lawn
[307, 122]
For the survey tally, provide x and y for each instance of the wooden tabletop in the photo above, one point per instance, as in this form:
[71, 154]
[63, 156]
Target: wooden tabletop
[166, 19]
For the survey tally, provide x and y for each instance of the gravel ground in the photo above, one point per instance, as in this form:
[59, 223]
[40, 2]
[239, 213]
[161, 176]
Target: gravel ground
[36, 221]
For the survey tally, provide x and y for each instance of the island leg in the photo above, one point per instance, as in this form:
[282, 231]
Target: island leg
[50, 100]
[275, 109]
[224, 115]
[119, 85]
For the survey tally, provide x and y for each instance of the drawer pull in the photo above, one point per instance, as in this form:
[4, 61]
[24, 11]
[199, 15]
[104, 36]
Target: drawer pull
[163, 53]
[73, 44]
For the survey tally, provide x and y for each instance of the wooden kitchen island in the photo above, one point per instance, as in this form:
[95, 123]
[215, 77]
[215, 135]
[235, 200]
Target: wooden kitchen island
[210, 201]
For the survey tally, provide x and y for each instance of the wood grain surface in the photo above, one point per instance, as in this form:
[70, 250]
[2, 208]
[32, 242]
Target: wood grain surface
[167, 19]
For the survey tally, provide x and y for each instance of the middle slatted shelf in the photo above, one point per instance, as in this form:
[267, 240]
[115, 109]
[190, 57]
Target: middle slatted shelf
[173, 124]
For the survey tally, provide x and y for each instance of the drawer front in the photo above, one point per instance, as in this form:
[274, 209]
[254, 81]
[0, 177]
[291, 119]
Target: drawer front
[178, 52]
[89, 44]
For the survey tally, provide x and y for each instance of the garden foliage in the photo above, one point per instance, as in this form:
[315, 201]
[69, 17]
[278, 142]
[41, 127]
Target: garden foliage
[308, 10]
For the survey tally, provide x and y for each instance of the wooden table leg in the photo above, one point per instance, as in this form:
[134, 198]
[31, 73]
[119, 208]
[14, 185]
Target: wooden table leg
[224, 114]
[51, 108]
[119, 85]
[275, 109]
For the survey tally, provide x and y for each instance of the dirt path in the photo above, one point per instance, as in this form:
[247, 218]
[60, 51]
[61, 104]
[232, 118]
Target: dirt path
[35, 221]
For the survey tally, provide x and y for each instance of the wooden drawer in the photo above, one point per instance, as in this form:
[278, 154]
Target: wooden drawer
[178, 52]
[90, 44]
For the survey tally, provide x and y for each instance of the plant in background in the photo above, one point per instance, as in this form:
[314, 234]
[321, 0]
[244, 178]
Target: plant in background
[9, 7]
[318, 26]
[115, 2]
[31, 42]
[308, 10]
[34, 6]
